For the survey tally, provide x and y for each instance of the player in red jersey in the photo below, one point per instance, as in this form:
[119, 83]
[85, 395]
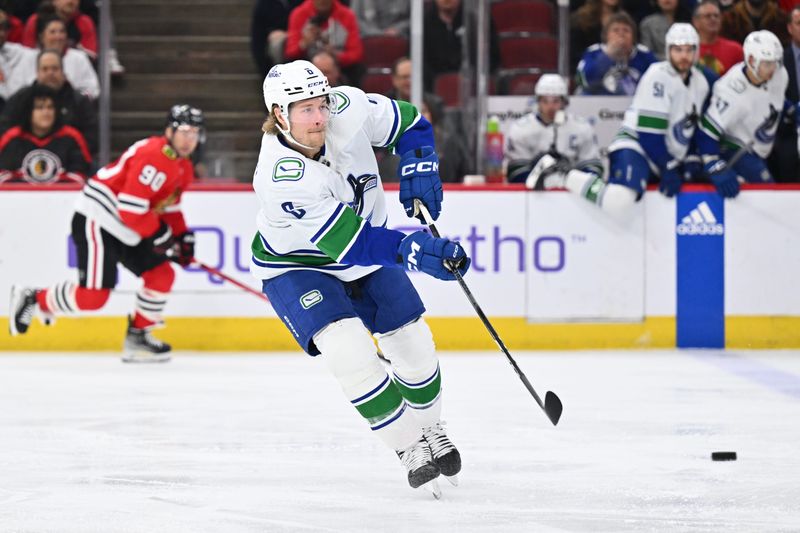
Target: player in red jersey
[128, 213]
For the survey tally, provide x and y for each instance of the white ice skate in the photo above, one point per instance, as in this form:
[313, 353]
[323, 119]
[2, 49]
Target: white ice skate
[422, 470]
[444, 452]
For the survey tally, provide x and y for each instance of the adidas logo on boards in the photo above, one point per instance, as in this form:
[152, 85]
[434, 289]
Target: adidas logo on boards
[700, 221]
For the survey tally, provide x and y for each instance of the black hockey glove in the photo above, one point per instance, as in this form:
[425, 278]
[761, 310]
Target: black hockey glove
[161, 241]
[184, 249]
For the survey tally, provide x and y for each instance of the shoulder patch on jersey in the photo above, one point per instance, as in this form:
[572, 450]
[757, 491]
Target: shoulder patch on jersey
[288, 169]
[169, 151]
[738, 86]
[341, 102]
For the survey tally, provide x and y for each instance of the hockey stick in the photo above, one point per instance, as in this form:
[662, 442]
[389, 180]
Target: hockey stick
[219, 274]
[552, 404]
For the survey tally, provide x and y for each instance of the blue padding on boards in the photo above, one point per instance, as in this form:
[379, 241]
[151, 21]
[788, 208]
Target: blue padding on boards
[700, 241]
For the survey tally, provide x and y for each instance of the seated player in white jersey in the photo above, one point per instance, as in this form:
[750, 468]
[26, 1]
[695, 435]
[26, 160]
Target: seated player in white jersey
[551, 133]
[744, 115]
[332, 270]
[129, 213]
[653, 145]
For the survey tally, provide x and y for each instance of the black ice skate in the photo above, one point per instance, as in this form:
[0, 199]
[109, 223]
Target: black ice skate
[142, 347]
[21, 309]
[445, 454]
[422, 471]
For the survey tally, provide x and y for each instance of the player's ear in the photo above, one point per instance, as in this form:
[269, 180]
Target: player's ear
[168, 132]
[283, 122]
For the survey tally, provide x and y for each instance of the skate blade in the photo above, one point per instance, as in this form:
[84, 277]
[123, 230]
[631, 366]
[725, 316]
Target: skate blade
[432, 486]
[452, 479]
[146, 358]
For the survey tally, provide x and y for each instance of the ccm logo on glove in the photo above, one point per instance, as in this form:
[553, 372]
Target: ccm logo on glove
[412, 257]
[422, 166]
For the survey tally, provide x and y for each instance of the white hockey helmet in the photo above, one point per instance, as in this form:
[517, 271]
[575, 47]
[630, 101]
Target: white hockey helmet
[682, 33]
[762, 45]
[291, 82]
[551, 85]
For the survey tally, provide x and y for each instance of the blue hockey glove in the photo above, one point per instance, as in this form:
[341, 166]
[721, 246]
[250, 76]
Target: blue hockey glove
[670, 183]
[419, 178]
[435, 257]
[723, 178]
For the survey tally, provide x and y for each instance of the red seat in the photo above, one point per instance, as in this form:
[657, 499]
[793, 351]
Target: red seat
[522, 84]
[383, 50]
[522, 52]
[376, 82]
[447, 86]
[523, 15]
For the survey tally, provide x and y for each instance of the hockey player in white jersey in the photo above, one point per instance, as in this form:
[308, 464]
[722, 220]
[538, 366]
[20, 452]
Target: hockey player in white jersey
[744, 114]
[551, 132]
[332, 270]
[653, 143]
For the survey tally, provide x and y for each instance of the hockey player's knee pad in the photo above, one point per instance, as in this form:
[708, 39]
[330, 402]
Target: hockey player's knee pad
[348, 348]
[410, 349]
[91, 299]
[159, 278]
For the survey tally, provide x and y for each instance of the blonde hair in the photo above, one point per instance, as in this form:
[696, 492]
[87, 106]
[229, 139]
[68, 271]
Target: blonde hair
[270, 125]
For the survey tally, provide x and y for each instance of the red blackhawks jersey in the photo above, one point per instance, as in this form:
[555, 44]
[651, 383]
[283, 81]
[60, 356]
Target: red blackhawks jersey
[131, 196]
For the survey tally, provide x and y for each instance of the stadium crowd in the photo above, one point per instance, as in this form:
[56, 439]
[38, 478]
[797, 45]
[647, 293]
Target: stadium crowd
[53, 43]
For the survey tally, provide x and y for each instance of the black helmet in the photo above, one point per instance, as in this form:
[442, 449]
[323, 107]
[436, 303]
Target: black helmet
[181, 114]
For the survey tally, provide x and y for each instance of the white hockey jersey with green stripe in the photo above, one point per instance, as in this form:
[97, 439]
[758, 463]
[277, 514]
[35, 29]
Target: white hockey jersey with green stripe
[312, 211]
[741, 113]
[664, 104]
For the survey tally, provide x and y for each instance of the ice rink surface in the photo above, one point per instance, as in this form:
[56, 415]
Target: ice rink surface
[252, 443]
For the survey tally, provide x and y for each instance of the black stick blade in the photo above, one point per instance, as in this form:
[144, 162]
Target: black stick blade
[552, 407]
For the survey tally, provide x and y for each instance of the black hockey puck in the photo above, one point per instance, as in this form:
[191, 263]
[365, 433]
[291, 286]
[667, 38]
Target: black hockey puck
[723, 456]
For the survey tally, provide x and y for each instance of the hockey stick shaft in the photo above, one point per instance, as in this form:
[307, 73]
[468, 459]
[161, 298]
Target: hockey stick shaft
[552, 405]
[219, 274]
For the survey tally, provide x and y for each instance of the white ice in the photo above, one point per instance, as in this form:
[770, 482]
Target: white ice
[247, 443]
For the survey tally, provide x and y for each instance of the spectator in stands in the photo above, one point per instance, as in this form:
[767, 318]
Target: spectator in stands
[750, 15]
[325, 61]
[615, 66]
[653, 28]
[382, 18]
[784, 163]
[78, 68]
[326, 25]
[80, 29]
[716, 53]
[268, 32]
[42, 150]
[15, 25]
[17, 63]
[401, 87]
[586, 26]
[74, 109]
[443, 30]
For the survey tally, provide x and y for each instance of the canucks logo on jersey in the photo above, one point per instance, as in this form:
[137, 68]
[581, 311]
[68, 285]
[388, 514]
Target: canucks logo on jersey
[766, 131]
[683, 130]
[361, 185]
